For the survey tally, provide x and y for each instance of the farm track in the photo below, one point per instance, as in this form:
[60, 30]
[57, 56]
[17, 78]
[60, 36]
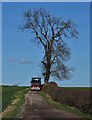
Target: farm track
[37, 107]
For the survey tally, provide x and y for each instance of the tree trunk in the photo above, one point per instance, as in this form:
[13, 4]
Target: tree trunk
[48, 64]
[47, 74]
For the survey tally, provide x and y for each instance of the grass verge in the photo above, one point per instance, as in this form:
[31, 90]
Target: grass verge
[12, 110]
[8, 94]
[65, 107]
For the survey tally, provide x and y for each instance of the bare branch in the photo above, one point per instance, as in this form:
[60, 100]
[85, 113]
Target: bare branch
[50, 32]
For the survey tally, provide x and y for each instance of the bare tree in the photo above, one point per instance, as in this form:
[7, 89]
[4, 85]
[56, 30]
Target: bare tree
[50, 31]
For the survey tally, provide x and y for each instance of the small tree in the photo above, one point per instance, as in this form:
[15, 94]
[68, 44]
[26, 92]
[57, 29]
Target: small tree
[50, 31]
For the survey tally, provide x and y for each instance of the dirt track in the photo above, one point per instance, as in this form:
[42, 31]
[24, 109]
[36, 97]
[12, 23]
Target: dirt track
[36, 107]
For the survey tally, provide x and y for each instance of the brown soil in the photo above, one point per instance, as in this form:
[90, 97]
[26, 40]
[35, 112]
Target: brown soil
[37, 107]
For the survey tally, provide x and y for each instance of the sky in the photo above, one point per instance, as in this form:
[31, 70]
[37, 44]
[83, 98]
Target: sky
[0, 44]
[21, 57]
[46, 0]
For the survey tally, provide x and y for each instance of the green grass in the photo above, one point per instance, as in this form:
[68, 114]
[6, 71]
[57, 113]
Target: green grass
[16, 107]
[65, 107]
[13, 98]
[8, 94]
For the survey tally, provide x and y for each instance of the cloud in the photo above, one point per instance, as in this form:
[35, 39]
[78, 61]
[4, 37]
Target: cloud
[20, 61]
[24, 61]
[12, 59]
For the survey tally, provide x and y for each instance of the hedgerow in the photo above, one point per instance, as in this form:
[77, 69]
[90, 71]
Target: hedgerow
[78, 98]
